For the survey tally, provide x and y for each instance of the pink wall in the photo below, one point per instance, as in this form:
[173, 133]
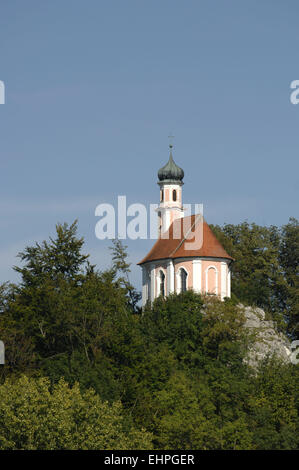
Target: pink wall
[210, 282]
[188, 266]
[212, 277]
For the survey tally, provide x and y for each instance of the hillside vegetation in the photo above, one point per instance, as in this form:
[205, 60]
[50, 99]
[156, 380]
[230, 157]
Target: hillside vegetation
[86, 369]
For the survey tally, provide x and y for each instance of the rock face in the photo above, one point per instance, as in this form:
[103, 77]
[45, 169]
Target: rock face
[267, 340]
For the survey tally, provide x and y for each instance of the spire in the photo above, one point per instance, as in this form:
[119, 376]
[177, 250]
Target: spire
[171, 172]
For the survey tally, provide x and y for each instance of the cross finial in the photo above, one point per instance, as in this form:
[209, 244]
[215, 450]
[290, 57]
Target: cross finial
[171, 137]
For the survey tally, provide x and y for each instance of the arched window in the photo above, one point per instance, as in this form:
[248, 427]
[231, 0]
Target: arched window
[161, 195]
[174, 195]
[183, 276]
[162, 283]
[211, 280]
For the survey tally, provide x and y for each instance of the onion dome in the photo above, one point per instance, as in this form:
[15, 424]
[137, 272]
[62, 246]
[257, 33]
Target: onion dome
[170, 173]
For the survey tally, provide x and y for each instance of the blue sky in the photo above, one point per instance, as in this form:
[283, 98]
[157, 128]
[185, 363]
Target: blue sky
[93, 89]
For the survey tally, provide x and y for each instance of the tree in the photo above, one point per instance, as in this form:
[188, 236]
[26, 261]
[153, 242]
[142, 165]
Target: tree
[273, 406]
[289, 259]
[257, 275]
[223, 335]
[57, 317]
[59, 258]
[121, 268]
[178, 370]
[19, 348]
[34, 416]
[184, 415]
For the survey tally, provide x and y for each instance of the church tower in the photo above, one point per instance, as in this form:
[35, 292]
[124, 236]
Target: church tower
[171, 205]
[175, 263]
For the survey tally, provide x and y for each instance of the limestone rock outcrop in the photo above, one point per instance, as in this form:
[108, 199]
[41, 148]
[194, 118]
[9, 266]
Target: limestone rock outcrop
[267, 340]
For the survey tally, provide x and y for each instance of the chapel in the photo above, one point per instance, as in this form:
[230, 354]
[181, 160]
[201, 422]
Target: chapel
[187, 254]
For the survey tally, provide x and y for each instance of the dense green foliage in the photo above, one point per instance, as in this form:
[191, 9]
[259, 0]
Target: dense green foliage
[85, 368]
[265, 272]
[35, 417]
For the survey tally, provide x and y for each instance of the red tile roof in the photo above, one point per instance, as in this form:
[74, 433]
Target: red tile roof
[205, 244]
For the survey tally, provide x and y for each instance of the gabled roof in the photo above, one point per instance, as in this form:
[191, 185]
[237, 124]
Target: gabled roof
[205, 243]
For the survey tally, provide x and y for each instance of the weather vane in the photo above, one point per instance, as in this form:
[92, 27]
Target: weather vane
[171, 137]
